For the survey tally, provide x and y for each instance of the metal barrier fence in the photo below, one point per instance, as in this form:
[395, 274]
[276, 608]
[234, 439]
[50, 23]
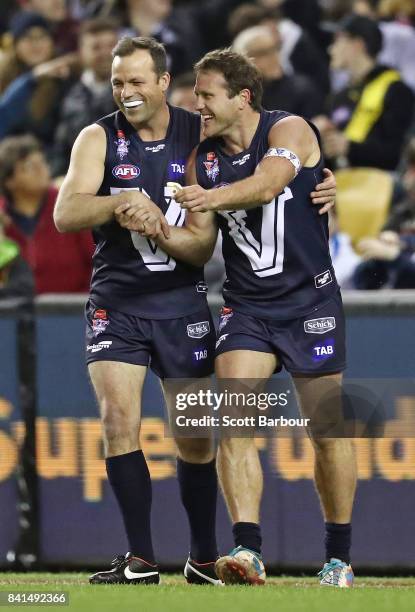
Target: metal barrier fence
[58, 508]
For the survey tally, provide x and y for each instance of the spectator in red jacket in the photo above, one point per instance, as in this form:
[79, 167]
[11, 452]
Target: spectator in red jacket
[61, 263]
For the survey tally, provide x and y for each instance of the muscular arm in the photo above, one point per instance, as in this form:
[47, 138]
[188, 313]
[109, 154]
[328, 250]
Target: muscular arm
[270, 178]
[195, 241]
[77, 206]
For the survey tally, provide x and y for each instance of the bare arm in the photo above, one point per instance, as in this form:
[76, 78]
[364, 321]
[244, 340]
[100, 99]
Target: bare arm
[270, 178]
[194, 243]
[77, 206]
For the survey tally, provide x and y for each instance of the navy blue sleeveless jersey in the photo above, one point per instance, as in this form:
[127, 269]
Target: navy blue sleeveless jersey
[131, 274]
[277, 255]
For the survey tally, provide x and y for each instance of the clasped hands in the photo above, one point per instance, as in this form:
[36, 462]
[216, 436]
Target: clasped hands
[140, 214]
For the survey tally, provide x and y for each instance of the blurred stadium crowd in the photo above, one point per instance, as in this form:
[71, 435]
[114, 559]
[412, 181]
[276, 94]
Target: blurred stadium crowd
[346, 64]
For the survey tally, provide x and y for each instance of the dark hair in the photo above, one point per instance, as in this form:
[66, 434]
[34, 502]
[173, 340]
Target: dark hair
[12, 150]
[98, 25]
[365, 28]
[249, 15]
[238, 71]
[127, 46]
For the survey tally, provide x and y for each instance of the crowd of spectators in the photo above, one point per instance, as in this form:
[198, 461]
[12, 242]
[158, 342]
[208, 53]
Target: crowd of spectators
[347, 65]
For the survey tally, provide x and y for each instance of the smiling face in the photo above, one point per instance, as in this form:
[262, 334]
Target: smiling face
[138, 91]
[219, 112]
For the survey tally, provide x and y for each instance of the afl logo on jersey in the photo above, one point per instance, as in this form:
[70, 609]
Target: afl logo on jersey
[126, 172]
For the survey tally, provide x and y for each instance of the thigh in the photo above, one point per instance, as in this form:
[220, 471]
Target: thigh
[184, 347]
[240, 374]
[245, 364]
[118, 387]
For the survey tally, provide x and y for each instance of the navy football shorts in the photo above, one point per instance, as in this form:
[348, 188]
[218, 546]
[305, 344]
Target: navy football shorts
[312, 344]
[173, 348]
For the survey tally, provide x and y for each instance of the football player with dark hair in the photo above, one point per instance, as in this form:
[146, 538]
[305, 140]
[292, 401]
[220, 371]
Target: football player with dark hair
[252, 176]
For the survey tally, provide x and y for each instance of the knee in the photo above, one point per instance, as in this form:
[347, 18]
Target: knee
[195, 450]
[120, 434]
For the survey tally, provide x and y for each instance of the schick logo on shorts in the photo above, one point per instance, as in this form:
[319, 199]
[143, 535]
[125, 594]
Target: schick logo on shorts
[323, 350]
[323, 279]
[198, 330]
[319, 326]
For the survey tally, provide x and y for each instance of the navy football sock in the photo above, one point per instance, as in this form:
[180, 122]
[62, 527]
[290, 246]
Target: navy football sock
[199, 489]
[130, 480]
[248, 535]
[338, 540]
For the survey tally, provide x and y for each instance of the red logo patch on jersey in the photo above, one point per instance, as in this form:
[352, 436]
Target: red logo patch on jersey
[100, 314]
[126, 172]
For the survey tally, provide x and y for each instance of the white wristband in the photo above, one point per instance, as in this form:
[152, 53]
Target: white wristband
[292, 157]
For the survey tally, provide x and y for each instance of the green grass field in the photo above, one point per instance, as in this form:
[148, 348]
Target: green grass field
[282, 594]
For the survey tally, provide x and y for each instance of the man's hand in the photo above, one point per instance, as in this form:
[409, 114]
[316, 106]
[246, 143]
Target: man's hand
[141, 215]
[196, 199]
[325, 192]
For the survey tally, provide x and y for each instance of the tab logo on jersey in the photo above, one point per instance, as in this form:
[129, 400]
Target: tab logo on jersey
[319, 326]
[126, 172]
[198, 330]
[240, 162]
[211, 166]
[176, 169]
[323, 350]
[323, 279]
[122, 144]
